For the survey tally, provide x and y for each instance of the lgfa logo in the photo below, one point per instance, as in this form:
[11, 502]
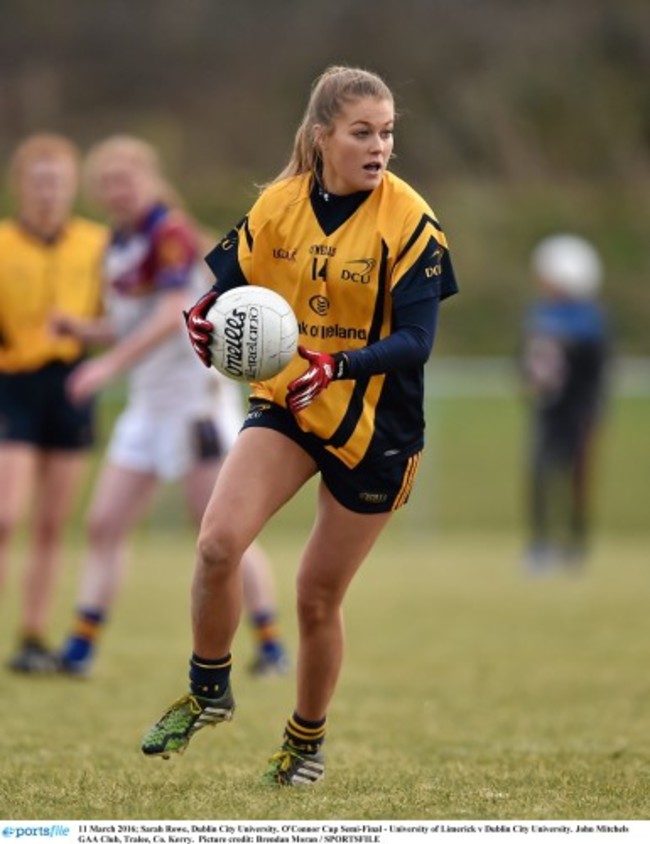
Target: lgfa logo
[285, 254]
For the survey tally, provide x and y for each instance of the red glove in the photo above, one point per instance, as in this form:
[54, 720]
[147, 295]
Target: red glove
[323, 368]
[198, 327]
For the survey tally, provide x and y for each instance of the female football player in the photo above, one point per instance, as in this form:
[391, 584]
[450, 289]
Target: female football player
[363, 262]
[49, 260]
[179, 419]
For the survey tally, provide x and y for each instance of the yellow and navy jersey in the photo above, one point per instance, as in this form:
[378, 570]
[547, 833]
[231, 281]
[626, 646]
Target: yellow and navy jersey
[39, 278]
[344, 271]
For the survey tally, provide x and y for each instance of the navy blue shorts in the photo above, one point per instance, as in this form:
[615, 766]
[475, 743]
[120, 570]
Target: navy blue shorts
[376, 485]
[35, 409]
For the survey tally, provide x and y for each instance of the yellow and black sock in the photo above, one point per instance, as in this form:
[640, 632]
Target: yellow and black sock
[267, 634]
[80, 644]
[209, 677]
[304, 735]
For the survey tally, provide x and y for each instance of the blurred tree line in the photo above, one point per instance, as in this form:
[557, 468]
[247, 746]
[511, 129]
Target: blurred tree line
[518, 117]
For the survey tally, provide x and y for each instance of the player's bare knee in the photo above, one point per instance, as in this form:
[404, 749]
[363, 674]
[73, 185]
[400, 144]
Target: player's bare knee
[47, 532]
[218, 551]
[316, 607]
[102, 531]
[11, 517]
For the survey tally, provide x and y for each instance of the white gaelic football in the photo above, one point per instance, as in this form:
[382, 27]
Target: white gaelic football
[255, 333]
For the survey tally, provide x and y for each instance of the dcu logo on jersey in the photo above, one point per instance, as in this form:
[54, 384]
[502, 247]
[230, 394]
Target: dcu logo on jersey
[359, 270]
[436, 268]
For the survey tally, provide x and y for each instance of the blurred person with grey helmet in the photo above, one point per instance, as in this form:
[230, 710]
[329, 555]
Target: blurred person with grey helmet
[565, 351]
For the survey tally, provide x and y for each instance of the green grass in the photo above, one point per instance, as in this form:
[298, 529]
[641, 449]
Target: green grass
[469, 691]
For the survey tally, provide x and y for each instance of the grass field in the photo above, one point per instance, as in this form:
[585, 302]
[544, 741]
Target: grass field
[469, 690]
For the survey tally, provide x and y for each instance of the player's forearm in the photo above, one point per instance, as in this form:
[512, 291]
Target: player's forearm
[98, 332]
[164, 321]
[90, 332]
[408, 346]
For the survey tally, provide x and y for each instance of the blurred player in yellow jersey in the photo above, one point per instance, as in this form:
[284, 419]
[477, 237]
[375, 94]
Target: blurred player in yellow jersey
[49, 263]
[364, 263]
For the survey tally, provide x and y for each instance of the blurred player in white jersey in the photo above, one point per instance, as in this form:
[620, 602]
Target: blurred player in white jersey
[180, 419]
